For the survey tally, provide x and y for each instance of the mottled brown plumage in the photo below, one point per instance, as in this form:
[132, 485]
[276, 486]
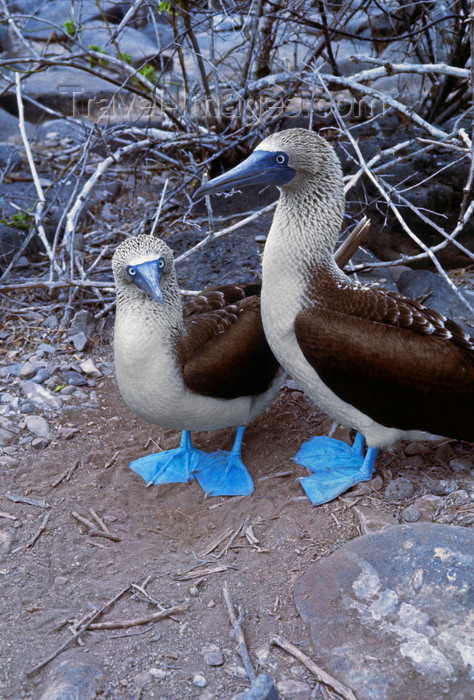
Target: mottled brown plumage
[223, 351]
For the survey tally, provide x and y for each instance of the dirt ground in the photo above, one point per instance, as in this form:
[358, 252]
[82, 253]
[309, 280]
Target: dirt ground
[172, 546]
[166, 545]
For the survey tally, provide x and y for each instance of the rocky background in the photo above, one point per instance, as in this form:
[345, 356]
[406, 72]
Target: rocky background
[111, 114]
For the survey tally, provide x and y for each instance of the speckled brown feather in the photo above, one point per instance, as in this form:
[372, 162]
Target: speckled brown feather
[400, 363]
[223, 352]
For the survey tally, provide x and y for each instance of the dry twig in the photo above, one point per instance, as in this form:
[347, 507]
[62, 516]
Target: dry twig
[318, 672]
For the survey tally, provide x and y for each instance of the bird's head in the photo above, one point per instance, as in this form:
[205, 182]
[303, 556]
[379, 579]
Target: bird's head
[287, 159]
[145, 263]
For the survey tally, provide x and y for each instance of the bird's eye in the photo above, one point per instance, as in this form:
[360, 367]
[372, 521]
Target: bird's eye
[161, 264]
[131, 271]
[280, 158]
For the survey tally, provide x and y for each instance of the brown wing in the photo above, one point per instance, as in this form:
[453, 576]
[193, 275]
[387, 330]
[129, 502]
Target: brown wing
[403, 365]
[224, 352]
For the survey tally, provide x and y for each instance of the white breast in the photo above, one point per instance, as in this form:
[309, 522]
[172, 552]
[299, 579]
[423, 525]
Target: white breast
[151, 383]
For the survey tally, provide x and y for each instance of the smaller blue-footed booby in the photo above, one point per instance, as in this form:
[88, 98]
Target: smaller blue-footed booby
[204, 365]
[373, 360]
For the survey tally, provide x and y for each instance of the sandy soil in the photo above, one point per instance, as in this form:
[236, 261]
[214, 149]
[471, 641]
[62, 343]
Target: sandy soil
[165, 536]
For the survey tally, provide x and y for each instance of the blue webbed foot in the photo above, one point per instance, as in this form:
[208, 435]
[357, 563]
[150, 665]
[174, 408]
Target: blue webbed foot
[336, 466]
[223, 473]
[170, 466]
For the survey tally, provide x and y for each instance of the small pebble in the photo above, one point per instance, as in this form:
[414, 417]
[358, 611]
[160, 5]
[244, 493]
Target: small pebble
[214, 657]
[5, 397]
[416, 448]
[199, 680]
[81, 321]
[41, 376]
[461, 464]
[441, 487]
[429, 503]
[74, 378]
[41, 396]
[444, 453]
[38, 426]
[89, 368]
[376, 483]
[296, 690]
[193, 590]
[27, 407]
[45, 349]
[40, 443]
[459, 498]
[411, 514]
[158, 674]
[414, 461]
[68, 390]
[80, 341]
[211, 604]
[400, 489]
[51, 321]
[6, 437]
[28, 370]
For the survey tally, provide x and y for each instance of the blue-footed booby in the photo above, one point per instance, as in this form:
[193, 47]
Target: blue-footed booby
[373, 360]
[204, 365]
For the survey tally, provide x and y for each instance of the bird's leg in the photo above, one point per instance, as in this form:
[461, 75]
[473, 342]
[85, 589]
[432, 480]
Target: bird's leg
[336, 466]
[170, 466]
[223, 473]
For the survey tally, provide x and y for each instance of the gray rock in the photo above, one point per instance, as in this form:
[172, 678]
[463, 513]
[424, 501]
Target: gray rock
[27, 407]
[40, 443]
[74, 378]
[11, 370]
[45, 349]
[459, 498]
[51, 321]
[46, 20]
[400, 489]
[444, 453]
[28, 370]
[41, 396]
[42, 375]
[80, 341]
[9, 158]
[23, 195]
[418, 283]
[82, 321]
[263, 688]
[296, 690]
[57, 129]
[214, 657]
[376, 616]
[6, 397]
[441, 487]
[372, 520]
[411, 514]
[136, 44]
[89, 368]
[75, 677]
[416, 448]
[461, 464]
[199, 680]
[6, 541]
[6, 437]
[9, 124]
[38, 426]
[415, 461]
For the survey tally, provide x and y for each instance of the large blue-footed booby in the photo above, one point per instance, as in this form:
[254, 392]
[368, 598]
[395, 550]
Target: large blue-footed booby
[372, 359]
[204, 365]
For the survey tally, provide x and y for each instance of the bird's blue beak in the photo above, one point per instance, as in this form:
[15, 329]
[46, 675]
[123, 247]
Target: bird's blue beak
[147, 277]
[260, 168]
